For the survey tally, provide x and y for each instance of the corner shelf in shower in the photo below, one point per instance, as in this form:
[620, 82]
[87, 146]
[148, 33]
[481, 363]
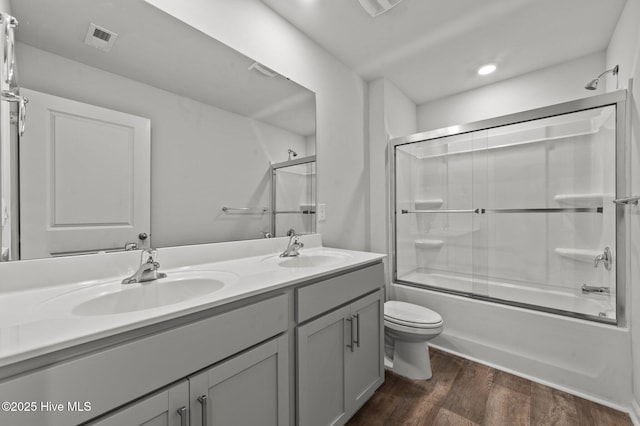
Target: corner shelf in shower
[428, 244]
[307, 208]
[581, 255]
[544, 138]
[428, 204]
[595, 199]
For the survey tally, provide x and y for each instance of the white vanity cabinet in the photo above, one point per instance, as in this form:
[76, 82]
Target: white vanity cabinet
[310, 352]
[340, 353]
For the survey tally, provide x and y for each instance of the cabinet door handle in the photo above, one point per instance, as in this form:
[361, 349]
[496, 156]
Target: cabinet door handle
[351, 346]
[182, 411]
[357, 340]
[203, 402]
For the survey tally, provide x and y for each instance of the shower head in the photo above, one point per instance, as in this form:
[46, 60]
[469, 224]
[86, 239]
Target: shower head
[593, 84]
[292, 152]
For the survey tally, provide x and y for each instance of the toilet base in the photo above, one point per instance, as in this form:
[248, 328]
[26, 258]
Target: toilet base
[410, 359]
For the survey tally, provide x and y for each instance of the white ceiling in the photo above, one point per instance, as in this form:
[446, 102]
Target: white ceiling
[159, 50]
[432, 48]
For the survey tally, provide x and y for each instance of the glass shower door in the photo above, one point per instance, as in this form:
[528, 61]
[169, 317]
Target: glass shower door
[294, 196]
[517, 210]
[550, 189]
[438, 226]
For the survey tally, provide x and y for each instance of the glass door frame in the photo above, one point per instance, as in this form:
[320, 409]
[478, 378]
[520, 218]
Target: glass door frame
[622, 165]
[274, 167]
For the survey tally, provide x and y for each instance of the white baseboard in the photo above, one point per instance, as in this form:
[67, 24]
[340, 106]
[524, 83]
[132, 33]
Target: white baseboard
[635, 413]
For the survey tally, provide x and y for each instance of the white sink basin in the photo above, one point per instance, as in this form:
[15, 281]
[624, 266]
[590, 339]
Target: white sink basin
[311, 260]
[149, 295]
[113, 297]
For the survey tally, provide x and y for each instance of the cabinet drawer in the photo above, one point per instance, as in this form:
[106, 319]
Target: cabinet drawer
[314, 299]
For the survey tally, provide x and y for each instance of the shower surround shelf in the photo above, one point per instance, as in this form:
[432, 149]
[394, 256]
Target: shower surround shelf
[428, 204]
[595, 199]
[307, 208]
[553, 139]
[429, 244]
[580, 255]
[451, 232]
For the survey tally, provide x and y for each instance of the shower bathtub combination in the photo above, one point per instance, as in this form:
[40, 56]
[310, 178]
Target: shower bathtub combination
[521, 210]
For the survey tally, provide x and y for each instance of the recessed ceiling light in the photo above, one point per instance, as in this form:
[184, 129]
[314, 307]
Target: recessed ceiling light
[486, 69]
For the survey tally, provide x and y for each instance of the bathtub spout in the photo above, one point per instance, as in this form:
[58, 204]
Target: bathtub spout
[586, 289]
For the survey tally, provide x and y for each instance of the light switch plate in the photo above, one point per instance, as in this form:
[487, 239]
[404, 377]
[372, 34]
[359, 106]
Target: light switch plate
[322, 212]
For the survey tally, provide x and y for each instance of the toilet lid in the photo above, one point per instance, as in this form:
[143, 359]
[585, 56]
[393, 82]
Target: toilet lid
[410, 314]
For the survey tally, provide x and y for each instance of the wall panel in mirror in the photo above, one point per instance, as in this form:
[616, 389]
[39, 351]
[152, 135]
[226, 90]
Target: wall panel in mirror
[218, 120]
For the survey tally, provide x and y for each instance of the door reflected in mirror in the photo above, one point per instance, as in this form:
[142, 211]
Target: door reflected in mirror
[217, 120]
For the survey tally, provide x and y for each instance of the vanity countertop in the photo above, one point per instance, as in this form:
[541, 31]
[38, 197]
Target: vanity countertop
[42, 319]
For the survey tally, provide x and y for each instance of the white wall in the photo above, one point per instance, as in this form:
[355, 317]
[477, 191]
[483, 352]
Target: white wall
[202, 157]
[624, 49]
[548, 86]
[253, 29]
[391, 114]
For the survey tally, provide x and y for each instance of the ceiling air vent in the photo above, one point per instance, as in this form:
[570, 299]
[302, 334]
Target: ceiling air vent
[100, 38]
[377, 7]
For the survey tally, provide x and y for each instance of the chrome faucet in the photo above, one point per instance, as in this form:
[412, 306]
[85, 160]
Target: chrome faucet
[148, 270]
[294, 244]
[606, 258]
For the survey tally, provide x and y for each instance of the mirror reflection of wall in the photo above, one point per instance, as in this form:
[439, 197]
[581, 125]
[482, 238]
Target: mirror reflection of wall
[218, 119]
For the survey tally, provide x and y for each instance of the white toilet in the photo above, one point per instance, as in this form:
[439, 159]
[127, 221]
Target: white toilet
[408, 327]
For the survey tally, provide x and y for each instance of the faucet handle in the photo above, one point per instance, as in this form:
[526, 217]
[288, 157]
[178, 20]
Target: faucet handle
[151, 253]
[606, 258]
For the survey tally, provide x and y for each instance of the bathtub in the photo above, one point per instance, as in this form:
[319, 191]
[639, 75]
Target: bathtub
[585, 358]
[550, 299]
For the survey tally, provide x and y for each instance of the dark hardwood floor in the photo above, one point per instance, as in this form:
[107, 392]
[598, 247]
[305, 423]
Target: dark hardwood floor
[463, 392]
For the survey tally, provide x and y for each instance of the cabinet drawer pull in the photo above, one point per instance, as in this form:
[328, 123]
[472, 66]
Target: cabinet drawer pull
[357, 340]
[203, 402]
[351, 346]
[182, 411]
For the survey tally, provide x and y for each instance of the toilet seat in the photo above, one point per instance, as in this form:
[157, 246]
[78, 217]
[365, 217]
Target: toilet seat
[409, 315]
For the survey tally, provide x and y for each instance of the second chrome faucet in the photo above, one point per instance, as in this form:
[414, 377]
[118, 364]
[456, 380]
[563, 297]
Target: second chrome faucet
[294, 244]
[148, 270]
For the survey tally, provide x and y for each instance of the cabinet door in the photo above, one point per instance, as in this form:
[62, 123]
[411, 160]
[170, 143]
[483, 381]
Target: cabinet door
[365, 365]
[160, 409]
[321, 348]
[249, 389]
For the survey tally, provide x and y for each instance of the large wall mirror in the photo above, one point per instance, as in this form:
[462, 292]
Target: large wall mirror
[143, 130]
